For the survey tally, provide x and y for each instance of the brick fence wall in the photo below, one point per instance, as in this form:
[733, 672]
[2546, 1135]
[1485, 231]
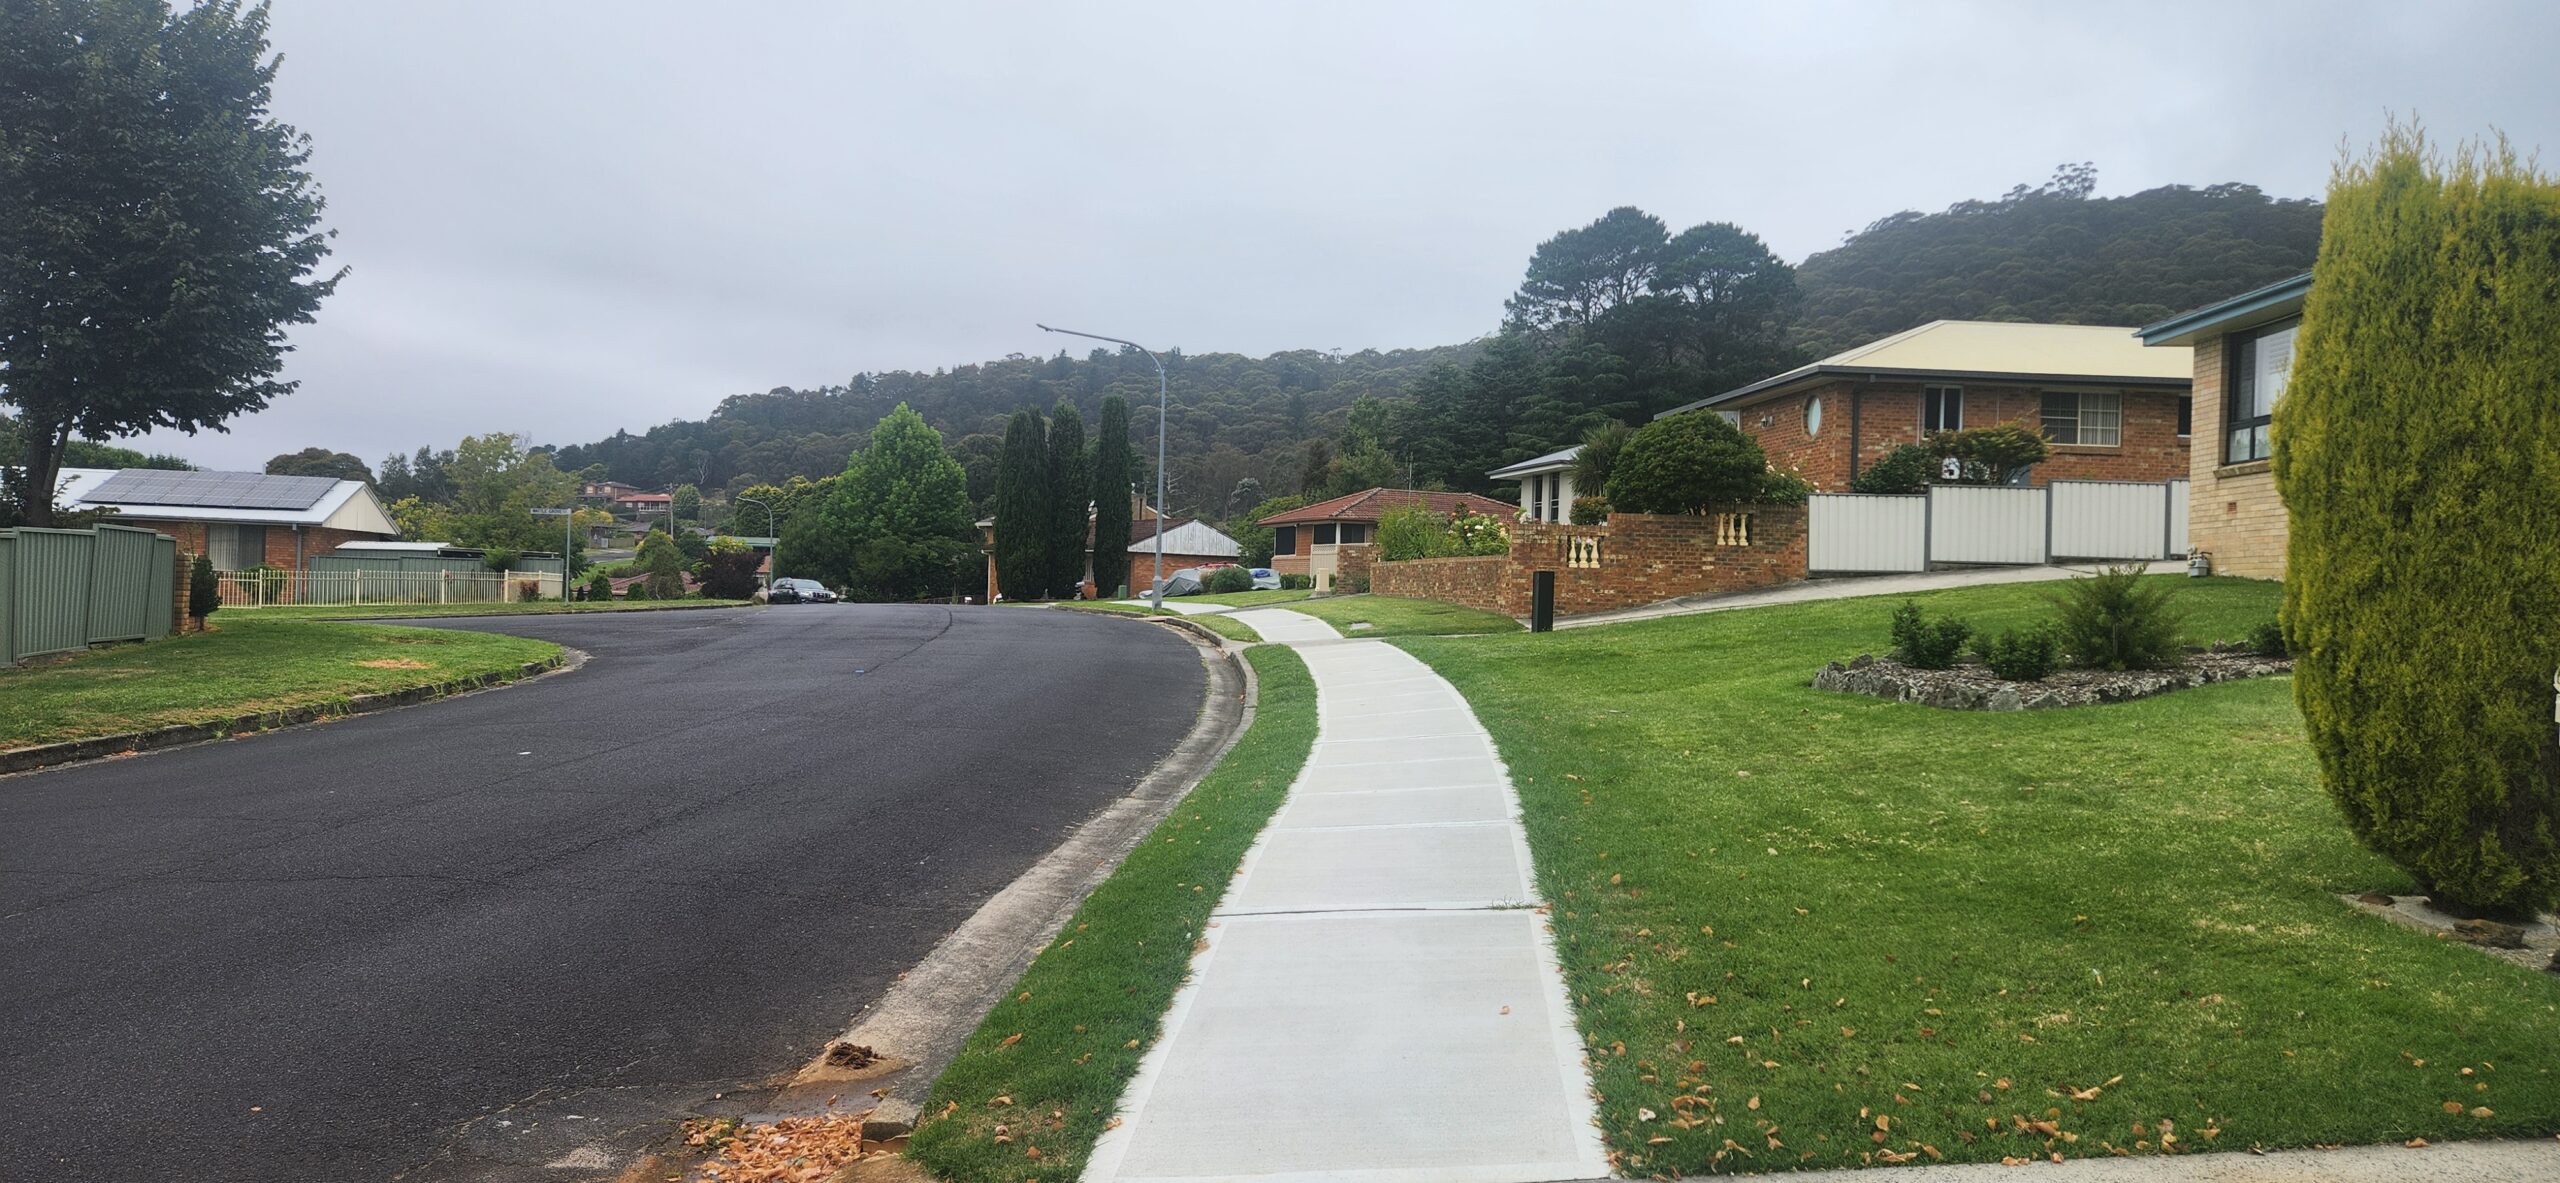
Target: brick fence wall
[1634, 559]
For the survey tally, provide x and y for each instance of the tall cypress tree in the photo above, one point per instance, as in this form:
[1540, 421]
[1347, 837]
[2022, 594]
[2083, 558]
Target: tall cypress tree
[1022, 509]
[1111, 513]
[1070, 486]
[2417, 448]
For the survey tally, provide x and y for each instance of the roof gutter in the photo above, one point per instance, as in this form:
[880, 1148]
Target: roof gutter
[1796, 381]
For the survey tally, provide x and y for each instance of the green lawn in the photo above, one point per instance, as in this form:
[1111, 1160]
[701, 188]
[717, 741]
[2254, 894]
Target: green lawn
[251, 662]
[1801, 920]
[1219, 622]
[1395, 616]
[1249, 599]
[346, 611]
[1050, 1062]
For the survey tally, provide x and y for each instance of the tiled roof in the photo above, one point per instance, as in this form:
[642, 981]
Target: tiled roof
[1368, 504]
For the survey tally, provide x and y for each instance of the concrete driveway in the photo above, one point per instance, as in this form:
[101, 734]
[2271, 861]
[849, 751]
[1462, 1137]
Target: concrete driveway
[401, 945]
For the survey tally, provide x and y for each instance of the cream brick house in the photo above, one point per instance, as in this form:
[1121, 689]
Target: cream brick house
[2243, 350]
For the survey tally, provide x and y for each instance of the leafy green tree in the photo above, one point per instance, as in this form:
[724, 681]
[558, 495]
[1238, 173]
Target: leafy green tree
[157, 226]
[664, 565]
[1412, 532]
[339, 466]
[1685, 464]
[1254, 538]
[1598, 458]
[1070, 491]
[729, 569]
[2417, 447]
[1907, 469]
[1023, 509]
[906, 504]
[1111, 510]
[980, 454]
[1988, 455]
[497, 484]
[685, 504]
[1580, 274]
[600, 586]
[204, 588]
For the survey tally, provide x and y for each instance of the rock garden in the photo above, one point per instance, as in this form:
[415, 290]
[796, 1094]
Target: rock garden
[2112, 639]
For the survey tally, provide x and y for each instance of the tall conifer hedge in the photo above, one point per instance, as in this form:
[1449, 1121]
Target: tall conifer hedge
[1111, 513]
[1070, 490]
[1022, 508]
[2417, 447]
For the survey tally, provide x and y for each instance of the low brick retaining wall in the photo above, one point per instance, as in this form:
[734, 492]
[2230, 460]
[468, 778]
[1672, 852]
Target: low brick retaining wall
[1633, 560]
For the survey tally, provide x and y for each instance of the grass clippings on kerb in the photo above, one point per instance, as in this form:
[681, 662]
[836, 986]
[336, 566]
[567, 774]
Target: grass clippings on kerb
[1039, 1080]
[250, 663]
[1216, 622]
[1805, 929]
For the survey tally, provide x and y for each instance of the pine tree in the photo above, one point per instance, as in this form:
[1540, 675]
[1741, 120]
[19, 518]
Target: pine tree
[2417, 447]
[1022, 509]
[1070, 488]
[1111, 512]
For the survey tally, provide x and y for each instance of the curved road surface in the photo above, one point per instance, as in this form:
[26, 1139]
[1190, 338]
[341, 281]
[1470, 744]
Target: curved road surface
[395, 946]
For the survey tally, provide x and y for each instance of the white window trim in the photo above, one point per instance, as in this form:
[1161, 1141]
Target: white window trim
[1946, 392]
[2080, 411]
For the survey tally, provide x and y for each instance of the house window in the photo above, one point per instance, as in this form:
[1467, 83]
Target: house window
[1732, 417]
[1813, 416]
[2089, 420]
[2186, 417]
[1284, 540]
[1941, 408]
[235, 548]
[1353, 533]
[1324, 534]
[2261, 363]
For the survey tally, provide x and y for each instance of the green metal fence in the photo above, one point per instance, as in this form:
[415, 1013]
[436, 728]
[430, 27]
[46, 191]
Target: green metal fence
[69, 589]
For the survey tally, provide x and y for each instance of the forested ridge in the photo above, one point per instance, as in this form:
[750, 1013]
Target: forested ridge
[1613, 321]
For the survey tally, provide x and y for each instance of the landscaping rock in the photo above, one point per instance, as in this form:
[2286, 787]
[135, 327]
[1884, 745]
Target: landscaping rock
[1973, 687]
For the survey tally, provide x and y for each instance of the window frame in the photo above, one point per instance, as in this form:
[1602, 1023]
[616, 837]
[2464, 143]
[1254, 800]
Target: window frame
[2079, 417]
[2242, 349]
[1322, 534]
[1284, 540]
[1934, 401]
[241, 540]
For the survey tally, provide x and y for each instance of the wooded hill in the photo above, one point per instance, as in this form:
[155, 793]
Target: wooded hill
[1615, 320]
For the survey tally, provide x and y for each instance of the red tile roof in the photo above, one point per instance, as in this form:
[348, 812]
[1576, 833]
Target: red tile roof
[1369, 504]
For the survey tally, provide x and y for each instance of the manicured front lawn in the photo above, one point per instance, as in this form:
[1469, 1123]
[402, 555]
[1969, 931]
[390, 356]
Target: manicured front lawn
[1395, 616]
[1835, 930]
[1249, 599]
[1050, 1062]
[250, 663]
[396, 611]
[1216, 622]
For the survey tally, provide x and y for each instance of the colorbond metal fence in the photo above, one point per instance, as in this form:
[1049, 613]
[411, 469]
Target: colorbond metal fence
[1972, 524]
[385, 584]
[62, 590]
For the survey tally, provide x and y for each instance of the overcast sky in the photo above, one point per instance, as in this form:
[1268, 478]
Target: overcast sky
[564, 219]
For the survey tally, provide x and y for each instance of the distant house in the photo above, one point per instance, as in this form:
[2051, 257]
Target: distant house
[2242, 350]
[645, 504]
[1546, 485]
[605, 490]
[1307, 541]
[1188, 542]
[239, 520]
[2111, 409]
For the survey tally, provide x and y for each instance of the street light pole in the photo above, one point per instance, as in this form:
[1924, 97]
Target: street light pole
[774, 554]
[1155, 594]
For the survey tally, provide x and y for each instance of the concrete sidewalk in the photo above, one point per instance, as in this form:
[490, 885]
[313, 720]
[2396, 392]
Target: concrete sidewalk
[1846, 588]
[1376, 997]
[2452, 1162]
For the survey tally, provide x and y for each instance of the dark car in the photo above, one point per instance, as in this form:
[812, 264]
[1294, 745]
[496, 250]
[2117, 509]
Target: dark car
[799, 591]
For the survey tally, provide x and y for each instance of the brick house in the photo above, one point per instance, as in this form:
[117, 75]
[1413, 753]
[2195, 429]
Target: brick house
[644, 505]
[1307, 541]
[2242, 353]
[238, 519]
[1188, 542]
[2112, 409]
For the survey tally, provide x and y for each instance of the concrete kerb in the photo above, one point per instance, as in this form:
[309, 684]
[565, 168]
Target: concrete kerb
[917, 1028]
[105, 747]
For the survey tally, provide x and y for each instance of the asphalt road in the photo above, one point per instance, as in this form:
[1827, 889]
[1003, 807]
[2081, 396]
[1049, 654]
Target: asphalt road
[399, 945]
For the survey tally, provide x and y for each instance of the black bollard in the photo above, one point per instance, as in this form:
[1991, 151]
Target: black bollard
[1542, 601]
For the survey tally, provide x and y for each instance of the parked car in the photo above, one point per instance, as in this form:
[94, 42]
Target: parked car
[1185, 582]
[1265, 579]
[799, 591]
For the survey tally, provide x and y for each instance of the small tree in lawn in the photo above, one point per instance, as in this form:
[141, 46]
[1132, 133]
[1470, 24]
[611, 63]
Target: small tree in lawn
[664, 565]
[730, 571]
[204, 589]
[2417, 447]
[1686, 463]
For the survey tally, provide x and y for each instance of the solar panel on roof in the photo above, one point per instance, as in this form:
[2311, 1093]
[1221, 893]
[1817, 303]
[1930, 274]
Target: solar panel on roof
[210, 490]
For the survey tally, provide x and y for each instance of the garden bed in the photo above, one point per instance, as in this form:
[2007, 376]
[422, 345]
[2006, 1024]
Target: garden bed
[1971, 686]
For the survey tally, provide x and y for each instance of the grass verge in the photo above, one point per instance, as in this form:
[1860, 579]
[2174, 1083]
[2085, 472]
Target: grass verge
[1050, 1062]
[1250, 599]
[1216, 622]
[401, 611]
[1816, 929]
[1396, 616]
[250, 663]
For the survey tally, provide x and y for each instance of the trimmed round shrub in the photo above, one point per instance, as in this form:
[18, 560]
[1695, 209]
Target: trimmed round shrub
[1227, 581]
[1684, 464]
[599, 586]
[1927, 644]
[2417, 447]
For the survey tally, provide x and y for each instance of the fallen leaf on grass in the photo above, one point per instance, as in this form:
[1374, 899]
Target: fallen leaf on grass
[1011, 1040]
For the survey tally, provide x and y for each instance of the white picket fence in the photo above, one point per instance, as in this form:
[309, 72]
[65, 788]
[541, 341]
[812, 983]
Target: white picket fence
[1975, 524]
[275, 588]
